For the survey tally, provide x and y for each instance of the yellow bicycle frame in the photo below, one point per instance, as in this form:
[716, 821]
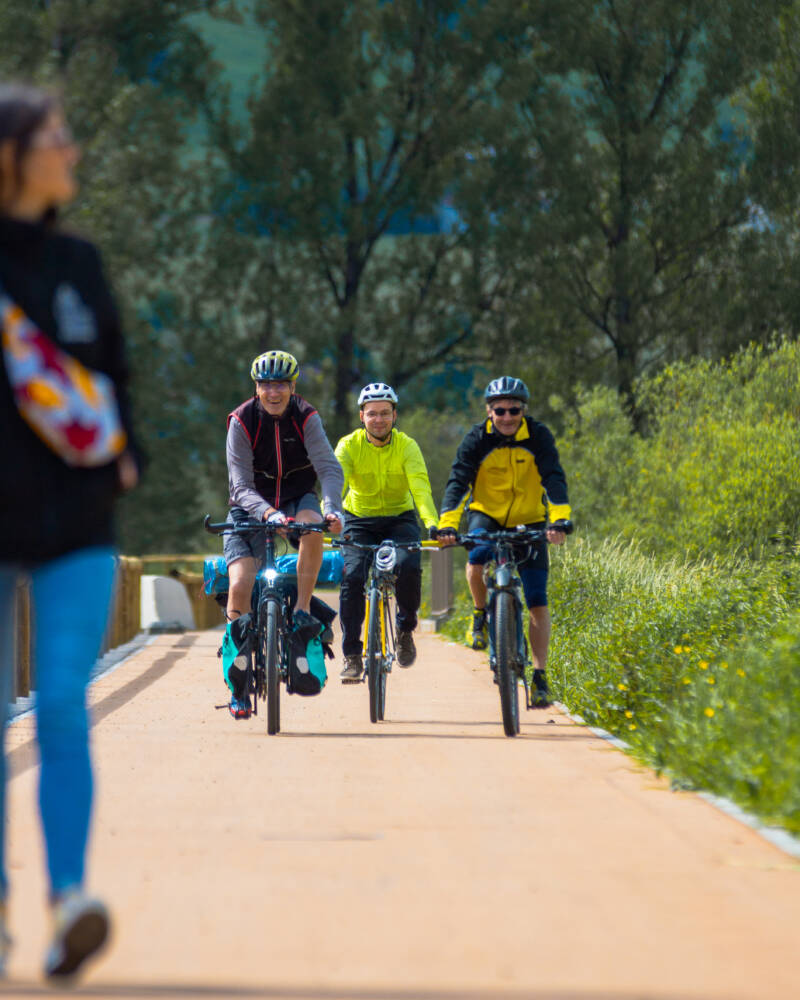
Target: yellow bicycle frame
[382, 617]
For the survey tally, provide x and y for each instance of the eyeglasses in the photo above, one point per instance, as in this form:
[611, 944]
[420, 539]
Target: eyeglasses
[53, 138]
[501, 411]
[275, 383]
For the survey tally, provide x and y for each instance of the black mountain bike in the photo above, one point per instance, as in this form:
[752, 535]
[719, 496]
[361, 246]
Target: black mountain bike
[505, 612]
[272, 602]
[379, 637]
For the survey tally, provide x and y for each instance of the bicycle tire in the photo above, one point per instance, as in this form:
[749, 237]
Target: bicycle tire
[273, 670]
[374, 656]
[387, 610]
[505, 644]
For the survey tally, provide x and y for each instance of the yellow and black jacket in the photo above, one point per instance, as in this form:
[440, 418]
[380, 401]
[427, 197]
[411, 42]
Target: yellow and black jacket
[515, 480]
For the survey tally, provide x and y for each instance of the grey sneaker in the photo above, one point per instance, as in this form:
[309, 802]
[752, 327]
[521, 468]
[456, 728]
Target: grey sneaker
[406, 650]
[80, 929]
[352, 669]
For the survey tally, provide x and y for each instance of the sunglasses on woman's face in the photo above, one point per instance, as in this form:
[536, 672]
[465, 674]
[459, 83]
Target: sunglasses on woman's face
[501, 411]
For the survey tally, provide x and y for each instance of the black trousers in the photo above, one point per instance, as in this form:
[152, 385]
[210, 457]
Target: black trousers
[352, 600]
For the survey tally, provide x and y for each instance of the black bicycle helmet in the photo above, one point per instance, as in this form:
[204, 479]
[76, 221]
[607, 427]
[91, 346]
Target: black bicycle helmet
[506, 387]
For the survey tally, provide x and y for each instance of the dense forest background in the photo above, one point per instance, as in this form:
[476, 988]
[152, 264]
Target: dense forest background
[600, 197]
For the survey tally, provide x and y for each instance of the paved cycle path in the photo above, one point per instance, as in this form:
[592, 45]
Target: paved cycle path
[428, 856]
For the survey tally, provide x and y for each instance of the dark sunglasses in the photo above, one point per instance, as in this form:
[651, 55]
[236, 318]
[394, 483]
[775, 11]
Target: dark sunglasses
[501, 411]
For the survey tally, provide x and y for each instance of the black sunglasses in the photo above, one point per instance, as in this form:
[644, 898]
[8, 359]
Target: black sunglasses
[501, 411]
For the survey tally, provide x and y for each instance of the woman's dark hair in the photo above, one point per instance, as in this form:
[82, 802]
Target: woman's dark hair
[23, 110]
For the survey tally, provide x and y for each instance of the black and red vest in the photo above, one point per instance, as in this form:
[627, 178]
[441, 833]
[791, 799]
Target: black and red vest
[281, 466]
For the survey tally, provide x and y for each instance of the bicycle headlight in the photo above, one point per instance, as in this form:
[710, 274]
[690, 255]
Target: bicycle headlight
[385, 558]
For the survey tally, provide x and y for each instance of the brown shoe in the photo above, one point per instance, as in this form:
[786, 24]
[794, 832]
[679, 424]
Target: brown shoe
[353, 668]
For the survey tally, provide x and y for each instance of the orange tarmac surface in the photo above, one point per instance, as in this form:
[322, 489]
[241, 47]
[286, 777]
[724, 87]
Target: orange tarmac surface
[427, 856]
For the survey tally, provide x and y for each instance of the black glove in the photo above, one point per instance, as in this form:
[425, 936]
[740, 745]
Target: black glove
[566, 526]
[433, 533]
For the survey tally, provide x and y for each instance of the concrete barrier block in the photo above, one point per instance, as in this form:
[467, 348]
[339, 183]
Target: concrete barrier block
[165, 605]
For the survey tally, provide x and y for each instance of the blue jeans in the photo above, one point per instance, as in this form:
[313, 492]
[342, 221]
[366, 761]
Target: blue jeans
[70, 602]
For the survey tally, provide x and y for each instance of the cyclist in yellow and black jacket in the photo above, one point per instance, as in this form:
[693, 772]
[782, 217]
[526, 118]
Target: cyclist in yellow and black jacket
[507, 472]
[385, 478]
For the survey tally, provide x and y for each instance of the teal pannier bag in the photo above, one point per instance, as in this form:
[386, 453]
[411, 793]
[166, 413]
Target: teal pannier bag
[329, 572]
[306, 660]
[215, 575]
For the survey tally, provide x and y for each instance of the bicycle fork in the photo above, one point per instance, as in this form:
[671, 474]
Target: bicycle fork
[382, 618]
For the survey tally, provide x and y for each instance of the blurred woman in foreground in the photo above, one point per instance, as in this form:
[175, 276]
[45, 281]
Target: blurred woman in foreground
[67, 453]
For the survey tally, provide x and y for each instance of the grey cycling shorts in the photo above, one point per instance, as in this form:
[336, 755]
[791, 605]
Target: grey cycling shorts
[239, 546]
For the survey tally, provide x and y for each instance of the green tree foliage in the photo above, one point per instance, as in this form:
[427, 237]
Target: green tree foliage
[718, 471]
[360, 127]
[642, 171]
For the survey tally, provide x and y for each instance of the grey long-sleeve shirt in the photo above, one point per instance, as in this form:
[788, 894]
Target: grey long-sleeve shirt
[241, 481]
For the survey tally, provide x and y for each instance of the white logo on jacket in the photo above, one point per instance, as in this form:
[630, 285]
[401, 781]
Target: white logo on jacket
[76, 322]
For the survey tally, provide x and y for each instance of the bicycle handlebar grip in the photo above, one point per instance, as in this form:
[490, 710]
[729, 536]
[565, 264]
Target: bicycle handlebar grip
[213, 529]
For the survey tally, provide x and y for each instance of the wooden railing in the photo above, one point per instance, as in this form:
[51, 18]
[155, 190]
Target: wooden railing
[122, 627]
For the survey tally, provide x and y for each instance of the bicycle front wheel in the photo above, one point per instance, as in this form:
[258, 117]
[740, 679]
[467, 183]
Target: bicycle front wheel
[505, 644]
[273, 670]
[387, 612]
[376, 678]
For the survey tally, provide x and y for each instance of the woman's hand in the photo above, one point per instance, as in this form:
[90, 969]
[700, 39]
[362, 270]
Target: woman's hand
[127, 472]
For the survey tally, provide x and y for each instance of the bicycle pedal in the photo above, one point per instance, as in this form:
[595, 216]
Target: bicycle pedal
[351, 680]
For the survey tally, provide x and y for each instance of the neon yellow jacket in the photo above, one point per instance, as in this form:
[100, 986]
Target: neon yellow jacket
[381, 482]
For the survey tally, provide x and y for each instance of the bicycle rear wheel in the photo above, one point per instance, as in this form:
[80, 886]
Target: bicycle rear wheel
[505, 644]
[376, 679]
[273, 670]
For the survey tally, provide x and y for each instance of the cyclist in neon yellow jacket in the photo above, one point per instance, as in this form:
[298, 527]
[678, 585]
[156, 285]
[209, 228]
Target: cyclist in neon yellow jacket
[385, 478]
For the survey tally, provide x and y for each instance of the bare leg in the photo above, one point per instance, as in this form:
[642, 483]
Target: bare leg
[309, 560]
[539, 632]
[242, 576]
[477, 586]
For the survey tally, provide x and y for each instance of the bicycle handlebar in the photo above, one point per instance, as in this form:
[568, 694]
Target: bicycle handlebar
[406, 546]
[515, 536]
[246, 526]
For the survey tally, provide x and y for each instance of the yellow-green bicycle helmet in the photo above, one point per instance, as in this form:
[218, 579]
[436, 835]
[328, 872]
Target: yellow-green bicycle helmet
[275, 366]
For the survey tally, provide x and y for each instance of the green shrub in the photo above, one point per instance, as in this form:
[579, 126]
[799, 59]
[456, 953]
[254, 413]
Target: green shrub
[690, 663]
[717, 470]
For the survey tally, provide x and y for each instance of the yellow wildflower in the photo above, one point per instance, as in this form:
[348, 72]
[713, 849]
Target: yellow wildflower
[687, 680]
[711, 680]
[740, 672]
[679, 649]
[622, 687]
[724, 665]
[709, 712]
[703, 664]
[632, 725]
[629, 715]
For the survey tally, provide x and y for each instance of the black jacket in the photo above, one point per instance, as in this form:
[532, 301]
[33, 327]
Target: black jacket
[48, 508]
[282, 469]
[514, 480]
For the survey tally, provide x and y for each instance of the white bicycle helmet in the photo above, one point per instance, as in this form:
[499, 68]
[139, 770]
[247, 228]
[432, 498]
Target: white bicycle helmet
[275, 366]
[376, 392]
